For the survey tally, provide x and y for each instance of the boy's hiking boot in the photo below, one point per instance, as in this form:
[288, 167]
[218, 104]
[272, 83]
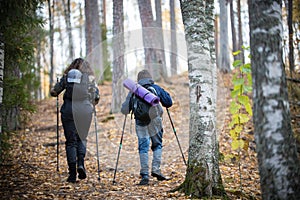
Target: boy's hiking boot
[144, 181]
[81, 172]
[159, 176]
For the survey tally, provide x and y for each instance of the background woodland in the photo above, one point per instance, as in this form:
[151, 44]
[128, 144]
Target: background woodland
[211, 57]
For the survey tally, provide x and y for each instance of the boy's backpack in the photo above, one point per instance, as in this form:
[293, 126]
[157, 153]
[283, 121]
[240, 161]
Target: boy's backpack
[143, 110]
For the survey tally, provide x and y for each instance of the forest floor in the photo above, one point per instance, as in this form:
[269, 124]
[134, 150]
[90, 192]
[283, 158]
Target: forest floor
[29, 170]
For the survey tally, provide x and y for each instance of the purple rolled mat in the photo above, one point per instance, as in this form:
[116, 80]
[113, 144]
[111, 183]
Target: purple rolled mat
[141, 91]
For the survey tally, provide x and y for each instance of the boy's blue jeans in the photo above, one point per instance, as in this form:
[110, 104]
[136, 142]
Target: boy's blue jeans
[153, 132]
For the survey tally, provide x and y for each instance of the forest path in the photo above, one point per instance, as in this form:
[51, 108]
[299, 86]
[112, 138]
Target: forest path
[29, 172]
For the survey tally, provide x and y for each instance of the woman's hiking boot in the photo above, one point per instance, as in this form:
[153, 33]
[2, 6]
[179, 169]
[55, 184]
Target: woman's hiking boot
[72, 173]
[81, 172]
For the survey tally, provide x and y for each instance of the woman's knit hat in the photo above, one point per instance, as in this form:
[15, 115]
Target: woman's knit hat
[143, 74]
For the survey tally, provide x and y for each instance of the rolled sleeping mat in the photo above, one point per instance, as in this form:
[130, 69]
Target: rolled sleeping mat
[140, 91]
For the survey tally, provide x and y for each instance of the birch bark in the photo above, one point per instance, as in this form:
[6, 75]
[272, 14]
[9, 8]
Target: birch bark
[276, 149]
[203, 177]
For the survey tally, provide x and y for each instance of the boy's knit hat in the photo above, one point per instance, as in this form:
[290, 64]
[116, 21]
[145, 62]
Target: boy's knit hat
[143, 74]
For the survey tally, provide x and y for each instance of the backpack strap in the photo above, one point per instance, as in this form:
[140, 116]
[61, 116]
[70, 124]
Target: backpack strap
[152, 89]
[132, 104]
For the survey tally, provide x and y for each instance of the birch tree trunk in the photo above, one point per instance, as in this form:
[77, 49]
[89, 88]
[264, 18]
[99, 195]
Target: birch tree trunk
[203, 177]
[93, 37]
[118, 55]
[276, 148]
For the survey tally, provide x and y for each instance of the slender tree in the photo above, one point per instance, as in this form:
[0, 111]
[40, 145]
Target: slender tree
[39, 43]
[106, 56]
[104, 13]
[233, 28]
[296, 21]
[153, 58]
[203, 178]
[60, 32]
[279, 165]
[240, 31]
[160, 37]
[51, 38]
[1, 85]
[80, 28]
[93, 37]
[118, 54]
[224, 44]
[67, 13]
[291, 35]
[173, 56]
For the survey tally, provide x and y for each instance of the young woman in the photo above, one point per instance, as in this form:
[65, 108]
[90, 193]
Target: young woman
[81, 94]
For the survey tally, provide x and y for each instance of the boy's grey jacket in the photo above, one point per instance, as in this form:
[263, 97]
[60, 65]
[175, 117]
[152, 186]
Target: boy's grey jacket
[165, 98]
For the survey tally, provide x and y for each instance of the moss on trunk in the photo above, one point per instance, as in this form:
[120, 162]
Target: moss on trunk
[198, 185]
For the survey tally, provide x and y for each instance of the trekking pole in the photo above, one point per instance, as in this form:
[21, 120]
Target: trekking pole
[120, 147]
[57, 132]
[174, 130]
[98, 164]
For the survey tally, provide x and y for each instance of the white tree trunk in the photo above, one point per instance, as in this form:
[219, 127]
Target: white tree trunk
[203, 176]
[276, 150]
